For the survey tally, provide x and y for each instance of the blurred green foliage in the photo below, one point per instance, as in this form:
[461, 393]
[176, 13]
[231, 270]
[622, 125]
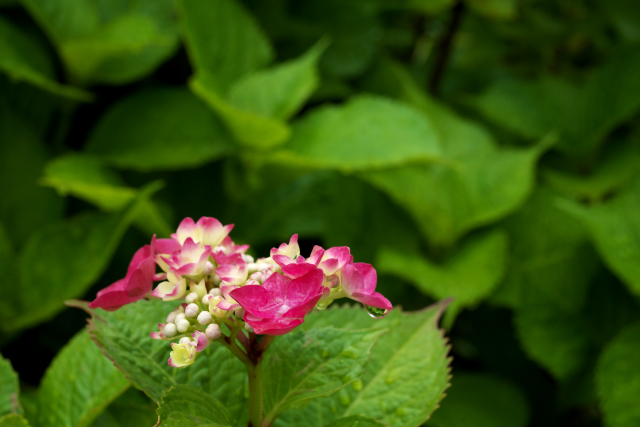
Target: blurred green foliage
[487, 150]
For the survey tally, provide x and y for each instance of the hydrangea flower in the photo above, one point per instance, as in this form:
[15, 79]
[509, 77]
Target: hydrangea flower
[182, 355]
[280, 303]
[222, 286]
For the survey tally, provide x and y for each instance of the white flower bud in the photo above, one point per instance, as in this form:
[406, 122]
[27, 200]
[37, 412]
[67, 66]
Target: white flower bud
[206, 298]
[185, 340]
[213, 331]
[208, 268]
[179, 317]
[219, 248]
[170, 330]
[183, 325]
[171, 317]
[266, 274]
[204, 318]
[216, 292]
[192, 310]
[239, 312]
[252, 267]
[257, 276]
[252, 282]
[247, 258]
[191, 298]
[247, 327]
[216, 279]
[262, 266]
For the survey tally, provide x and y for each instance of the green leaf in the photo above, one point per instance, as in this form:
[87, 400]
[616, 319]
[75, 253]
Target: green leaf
[88, 179]
[78, 250]
[112, 42]
[624, 16]
[78, 385]
[476, 185]
[615, 230]
[186, 406]
[250, 129]
[223, 40]
[8, 270]
[228, 51]
[469, 275]
[368, 132]
[357, 421]
[403, 382]
[431, 6]
[552, 264]
[484, 400]
[616, 167]
[9, 389]
[157, 130]
[25, 206]
[24, 59]
[582, 115]
[279, 92]
[124, 338]
[355, 33]
[13, 420]
[304, 365]
[130, 409]
[618, 379]
[496, 9]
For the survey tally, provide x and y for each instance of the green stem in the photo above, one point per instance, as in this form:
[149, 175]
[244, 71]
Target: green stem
[233, 348]
[255, 393]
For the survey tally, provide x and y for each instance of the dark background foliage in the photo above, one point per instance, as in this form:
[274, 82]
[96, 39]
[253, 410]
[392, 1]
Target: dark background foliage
[481, 149]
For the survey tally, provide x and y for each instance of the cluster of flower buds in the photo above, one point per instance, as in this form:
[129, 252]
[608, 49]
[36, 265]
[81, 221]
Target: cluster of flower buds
[223, 288]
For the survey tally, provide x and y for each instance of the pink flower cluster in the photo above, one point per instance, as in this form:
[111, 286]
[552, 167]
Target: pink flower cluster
[222, 285]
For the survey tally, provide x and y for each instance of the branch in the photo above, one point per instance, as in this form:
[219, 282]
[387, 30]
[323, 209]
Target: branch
[444, 51]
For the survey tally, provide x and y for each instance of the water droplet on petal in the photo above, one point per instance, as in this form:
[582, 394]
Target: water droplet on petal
[376, 313]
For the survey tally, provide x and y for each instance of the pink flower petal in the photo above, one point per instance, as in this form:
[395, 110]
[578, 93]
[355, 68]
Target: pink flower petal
[304, 288]
[374, 300]
[352, 279]
[282, 260]
[256, 300]
[187, 228]
[278, 326]
[297, 270]
[113, 297]
[223, 259]
[167, 246]
[316, 255]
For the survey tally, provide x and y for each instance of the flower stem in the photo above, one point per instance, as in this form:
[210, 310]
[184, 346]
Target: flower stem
[255, 393]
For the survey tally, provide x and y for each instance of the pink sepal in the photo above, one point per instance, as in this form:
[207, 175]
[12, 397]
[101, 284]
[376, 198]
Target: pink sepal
[316, 255]
[292, 249]
[376, 299]
[222, 259]
[200, 340]
[136, 284]
[334, 259]
[159, 335]
[167, 246]
[279, 326]
[359, 283]
[294, 271]
[281, 303]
